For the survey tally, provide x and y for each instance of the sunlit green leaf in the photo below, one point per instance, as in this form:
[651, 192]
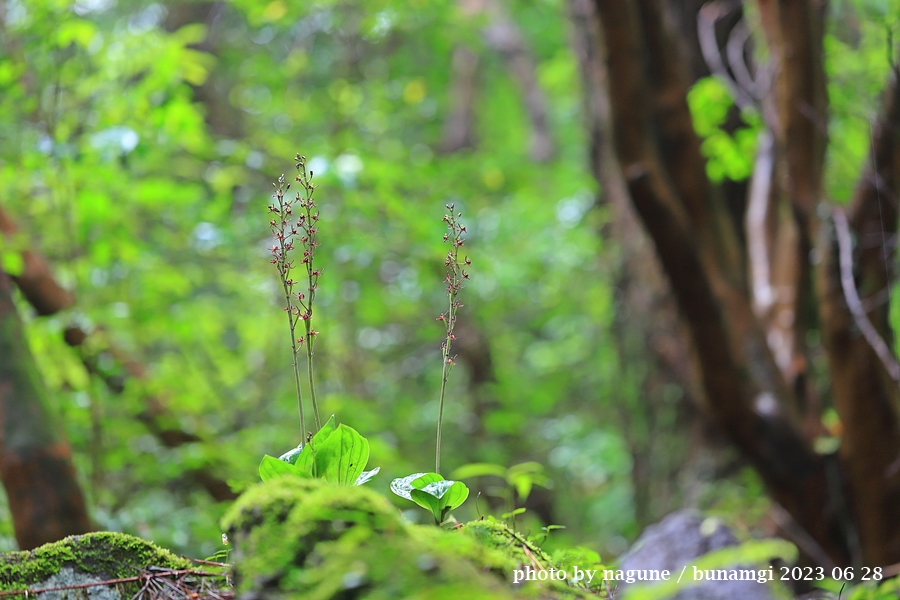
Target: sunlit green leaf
[342, 457]
[307, 458]
[272, 468]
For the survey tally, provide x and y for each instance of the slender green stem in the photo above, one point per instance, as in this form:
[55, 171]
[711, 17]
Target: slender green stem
[310, 241]
[454, 281]
[445, 374]
[287, 285]
[309, 373]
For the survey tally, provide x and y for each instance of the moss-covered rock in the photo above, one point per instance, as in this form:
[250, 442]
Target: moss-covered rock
[303, 538]
[85, 559]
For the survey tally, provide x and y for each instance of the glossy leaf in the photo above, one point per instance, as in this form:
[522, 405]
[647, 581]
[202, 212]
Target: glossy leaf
[425, 479]
[342, 457]
[307, 458]
[428, 502]
[440, 497]
[455, 495]
[291, 455]
[402, 486]
[271, 468]
[365, 476]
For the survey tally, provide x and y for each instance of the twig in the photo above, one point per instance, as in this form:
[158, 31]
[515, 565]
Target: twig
[707, 18]
[532, 558]
[845, 248]
[211, 563]
[801, 537]
[143, 576]
[891, 570]
[734, 50]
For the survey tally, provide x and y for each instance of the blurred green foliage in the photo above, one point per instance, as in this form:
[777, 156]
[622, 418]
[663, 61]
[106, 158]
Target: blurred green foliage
[858, 56]
[116, 157]
[728, 155]
[138, 142]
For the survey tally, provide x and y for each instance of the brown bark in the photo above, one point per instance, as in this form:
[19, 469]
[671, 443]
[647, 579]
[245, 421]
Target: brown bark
[36, 468]
[36, 281]
[795, 112]
[865, 396]
[659, 157]
[751, 339]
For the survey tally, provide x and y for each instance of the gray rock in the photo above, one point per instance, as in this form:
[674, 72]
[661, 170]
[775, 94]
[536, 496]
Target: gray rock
[67, 577]
[84, 566]
[678, 539]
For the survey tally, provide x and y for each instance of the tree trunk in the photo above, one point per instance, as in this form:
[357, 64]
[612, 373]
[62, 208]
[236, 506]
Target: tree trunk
[750, 333]
[43, 292]
[35, 459]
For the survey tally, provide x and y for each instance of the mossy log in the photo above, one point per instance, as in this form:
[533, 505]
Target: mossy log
[303, 538]
[79, 564]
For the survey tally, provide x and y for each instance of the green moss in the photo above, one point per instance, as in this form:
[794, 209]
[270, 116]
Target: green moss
[496, 535]
[106, 555]
[305, 538]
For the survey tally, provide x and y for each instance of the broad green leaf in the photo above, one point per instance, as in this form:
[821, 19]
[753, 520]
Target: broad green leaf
[365, 476]
[478, 470]
[428, 502]
[439, 496]
[271, 468]
[455, 495]
[424, 480]
[291, 455]
[342, 457]
[307, 458]
[324, 432]
[427, 490]
[402, 486]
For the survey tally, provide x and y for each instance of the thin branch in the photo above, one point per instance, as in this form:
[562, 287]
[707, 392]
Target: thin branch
[845, 248]
[146, 577]
[801, 537]
[36, 282]
[707, 18]
[758, 206]
[734, 49]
